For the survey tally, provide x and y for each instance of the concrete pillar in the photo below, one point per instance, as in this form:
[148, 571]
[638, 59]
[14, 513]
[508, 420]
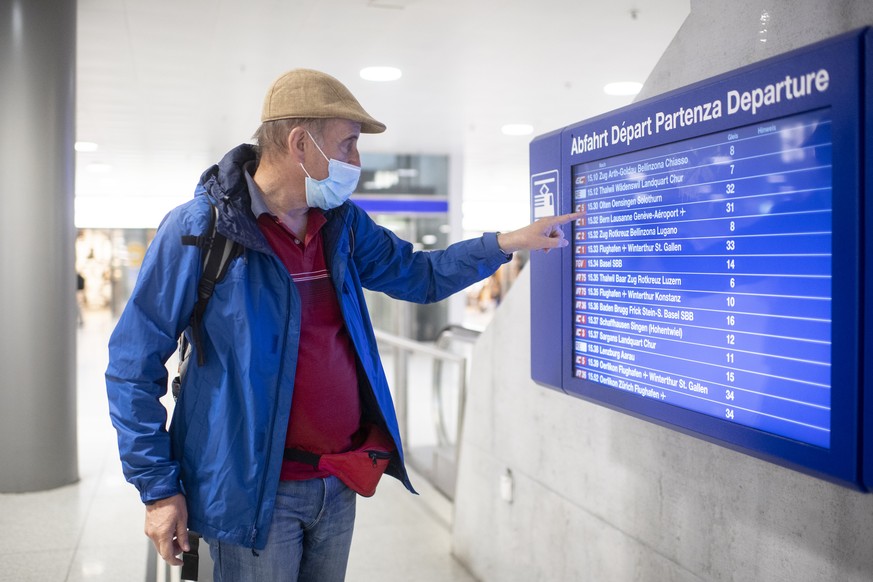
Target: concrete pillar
[37, 278]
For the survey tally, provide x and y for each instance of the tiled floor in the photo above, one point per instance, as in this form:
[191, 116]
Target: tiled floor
[92, 530]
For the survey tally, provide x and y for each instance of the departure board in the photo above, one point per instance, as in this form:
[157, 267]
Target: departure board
[702, 274]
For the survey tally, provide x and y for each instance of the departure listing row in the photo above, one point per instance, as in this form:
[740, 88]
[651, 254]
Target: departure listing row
[702, 275]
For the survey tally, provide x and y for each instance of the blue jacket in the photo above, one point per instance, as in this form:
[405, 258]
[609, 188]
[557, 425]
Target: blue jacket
[225, 444]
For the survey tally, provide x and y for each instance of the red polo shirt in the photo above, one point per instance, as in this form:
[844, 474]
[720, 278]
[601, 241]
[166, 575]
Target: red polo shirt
[326, 406]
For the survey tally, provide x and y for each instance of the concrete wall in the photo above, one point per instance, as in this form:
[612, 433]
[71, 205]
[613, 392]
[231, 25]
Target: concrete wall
[719, 35]
[601, 496]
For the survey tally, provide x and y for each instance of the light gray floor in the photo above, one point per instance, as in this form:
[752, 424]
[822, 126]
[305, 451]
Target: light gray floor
[92, 530]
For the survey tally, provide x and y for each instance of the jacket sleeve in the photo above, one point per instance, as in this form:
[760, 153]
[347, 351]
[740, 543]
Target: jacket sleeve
[390, 265]
[143, 340]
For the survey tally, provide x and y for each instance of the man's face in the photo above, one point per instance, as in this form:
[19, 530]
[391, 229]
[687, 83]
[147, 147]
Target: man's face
[338, 141]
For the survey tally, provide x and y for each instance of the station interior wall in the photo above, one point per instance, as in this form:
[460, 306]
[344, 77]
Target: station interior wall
[551, 487]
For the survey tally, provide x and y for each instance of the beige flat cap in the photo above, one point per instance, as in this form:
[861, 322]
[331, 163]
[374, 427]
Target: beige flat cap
[304, 93]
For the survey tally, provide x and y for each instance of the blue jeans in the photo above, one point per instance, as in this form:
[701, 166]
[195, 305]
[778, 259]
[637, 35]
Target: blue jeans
[309, 538]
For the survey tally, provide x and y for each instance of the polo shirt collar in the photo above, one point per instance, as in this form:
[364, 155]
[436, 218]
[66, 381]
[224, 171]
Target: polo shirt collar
[259, 207]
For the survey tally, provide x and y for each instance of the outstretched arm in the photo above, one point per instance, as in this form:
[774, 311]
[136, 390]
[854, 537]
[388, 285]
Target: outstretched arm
[545, 233]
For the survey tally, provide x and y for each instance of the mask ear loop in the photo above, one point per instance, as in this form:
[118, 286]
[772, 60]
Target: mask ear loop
[319, 151]
[316, 145]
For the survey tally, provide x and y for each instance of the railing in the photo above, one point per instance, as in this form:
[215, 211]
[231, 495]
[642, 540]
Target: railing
[441, 467]
[451, 335]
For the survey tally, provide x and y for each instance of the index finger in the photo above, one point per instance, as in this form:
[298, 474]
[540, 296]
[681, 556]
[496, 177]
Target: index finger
[565, 218]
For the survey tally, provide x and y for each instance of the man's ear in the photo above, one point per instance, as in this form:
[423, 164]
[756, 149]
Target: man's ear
[296, 143]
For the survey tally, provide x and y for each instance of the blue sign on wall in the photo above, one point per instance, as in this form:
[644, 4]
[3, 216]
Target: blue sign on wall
[414, 205]
[714, 283]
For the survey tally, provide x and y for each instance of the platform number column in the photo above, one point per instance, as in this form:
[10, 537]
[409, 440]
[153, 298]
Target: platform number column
[731, 300]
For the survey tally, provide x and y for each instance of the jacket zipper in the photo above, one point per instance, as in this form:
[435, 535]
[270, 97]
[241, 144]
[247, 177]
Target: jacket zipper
[378, 455]
[275, 412]
[347, 227]
[374, 455]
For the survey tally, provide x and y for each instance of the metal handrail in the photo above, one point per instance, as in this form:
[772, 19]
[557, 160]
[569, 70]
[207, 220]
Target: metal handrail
[401, 387]
[459, 332]
[447, 335]
[414, 346]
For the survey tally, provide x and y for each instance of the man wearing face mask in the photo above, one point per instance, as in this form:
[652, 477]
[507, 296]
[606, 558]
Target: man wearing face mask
[285, 386]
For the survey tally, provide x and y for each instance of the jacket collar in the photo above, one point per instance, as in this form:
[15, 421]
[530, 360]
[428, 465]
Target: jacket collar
[225, 183]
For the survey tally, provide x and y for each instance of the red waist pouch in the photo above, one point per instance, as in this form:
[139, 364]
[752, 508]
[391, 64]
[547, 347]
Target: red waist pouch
[360, 468]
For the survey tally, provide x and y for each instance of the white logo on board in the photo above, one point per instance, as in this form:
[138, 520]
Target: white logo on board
[543, 194]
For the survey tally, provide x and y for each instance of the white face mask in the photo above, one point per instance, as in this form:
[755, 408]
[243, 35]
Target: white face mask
[341, 181]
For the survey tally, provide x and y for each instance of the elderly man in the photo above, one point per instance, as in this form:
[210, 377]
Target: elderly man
[285, 373]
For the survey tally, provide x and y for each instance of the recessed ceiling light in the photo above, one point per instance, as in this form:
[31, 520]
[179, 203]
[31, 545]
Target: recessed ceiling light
[517, 129]
[381, 73]
[86, 146]
[623, 88]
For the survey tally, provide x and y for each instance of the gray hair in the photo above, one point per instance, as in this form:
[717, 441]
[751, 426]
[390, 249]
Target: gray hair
[272, 136]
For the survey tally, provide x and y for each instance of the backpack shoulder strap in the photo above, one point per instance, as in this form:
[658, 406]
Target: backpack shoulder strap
[217, 252]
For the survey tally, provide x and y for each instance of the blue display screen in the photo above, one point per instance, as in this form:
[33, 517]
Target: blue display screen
[702, 275]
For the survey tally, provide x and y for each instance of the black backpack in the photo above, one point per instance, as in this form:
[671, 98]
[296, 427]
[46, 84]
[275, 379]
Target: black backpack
[216, 252]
